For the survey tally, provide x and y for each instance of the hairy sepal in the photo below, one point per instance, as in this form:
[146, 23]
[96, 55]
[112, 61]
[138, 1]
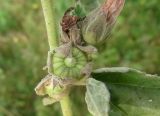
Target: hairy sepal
[98, 23]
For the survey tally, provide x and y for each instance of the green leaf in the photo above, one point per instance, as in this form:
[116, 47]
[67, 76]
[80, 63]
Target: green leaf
[90, 5]
[79, 10]
[97, 98]
[133, 93]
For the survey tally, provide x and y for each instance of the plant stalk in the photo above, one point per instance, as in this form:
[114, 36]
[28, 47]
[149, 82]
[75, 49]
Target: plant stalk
[66, 106]
[49, 16]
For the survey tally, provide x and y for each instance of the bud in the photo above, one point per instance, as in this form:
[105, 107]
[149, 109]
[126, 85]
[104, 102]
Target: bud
[98, 24]
[49, 86]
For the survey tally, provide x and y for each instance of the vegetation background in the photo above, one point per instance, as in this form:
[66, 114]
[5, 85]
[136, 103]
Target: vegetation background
[135, 42]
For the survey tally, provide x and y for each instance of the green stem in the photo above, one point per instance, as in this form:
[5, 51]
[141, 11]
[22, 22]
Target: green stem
[49, 15]
[52, 39]
[66, 106]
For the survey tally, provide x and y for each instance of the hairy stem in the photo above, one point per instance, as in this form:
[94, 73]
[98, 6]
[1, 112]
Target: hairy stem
[66, 106]
[49, 16]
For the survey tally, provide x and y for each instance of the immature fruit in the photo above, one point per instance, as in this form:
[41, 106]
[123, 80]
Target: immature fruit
[69, 66]
[98, 24]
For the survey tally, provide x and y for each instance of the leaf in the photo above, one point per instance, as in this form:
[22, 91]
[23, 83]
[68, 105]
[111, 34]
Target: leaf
[133, 93]
[90, 5]
[79, 9]
[97, 98]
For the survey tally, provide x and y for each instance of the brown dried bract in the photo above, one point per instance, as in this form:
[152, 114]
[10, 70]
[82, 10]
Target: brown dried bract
[69, 21]
[70, 28]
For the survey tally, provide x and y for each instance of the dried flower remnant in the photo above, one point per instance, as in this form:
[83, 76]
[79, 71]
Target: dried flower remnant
[68, 21]
[112, 9]
[98, 24]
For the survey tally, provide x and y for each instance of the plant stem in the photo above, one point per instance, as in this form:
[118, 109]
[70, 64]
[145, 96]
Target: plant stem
[48, 12]
[66, 106]
[52, 39]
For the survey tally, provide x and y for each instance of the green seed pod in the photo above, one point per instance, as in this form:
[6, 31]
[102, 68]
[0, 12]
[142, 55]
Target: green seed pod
[69, 66]
[98, 24]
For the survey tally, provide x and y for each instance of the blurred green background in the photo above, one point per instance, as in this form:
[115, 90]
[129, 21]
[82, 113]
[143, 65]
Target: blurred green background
[135, 42]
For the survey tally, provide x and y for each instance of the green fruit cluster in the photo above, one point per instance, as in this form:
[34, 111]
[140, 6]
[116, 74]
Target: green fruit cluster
[69, 66]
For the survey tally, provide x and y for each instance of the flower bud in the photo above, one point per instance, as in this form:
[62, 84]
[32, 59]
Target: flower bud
[98, 24]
